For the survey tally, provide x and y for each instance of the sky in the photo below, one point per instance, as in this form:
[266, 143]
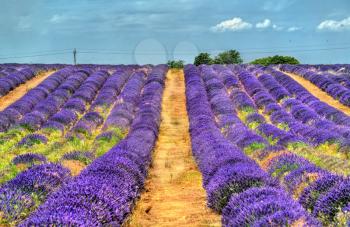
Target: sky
[155, 31]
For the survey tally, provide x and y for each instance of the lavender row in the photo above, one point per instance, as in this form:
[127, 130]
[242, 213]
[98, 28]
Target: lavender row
[229, 176]
[262, 99]
[300, 110]
[105, 192]
[327, 84]
[122, 114]
[103, 102]
[10, 79]
[76, 104]
[14, 207]
[294, 172]
[25, 104]
[53, 103]
[302, 120]
[337, 74]
[23, 193]
[306, 97]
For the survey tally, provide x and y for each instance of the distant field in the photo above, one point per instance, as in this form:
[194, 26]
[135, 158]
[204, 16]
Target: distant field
[209, 145]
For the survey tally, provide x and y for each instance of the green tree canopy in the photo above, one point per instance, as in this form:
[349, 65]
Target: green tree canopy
[276, 60]
[176, 64]
[228, 57]
[203, 58]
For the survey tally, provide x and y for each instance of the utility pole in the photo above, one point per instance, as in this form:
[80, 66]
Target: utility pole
[75, 56]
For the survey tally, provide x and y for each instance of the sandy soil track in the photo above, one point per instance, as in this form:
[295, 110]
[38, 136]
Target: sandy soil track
[173, 193]
[318, 93]
[19, 91]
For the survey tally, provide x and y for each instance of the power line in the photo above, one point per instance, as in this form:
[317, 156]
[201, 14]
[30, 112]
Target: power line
[296, 51]
[150, 53]
[35, 52]
[286, 46]
[37, 55]
[191, 53]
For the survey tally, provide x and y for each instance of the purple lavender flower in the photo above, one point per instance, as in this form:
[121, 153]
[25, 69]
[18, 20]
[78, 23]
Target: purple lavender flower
[21, 193]
[32, 139]
[265, 206]
[85, 157]
[28, 158]
[314, 191]
[332, 202]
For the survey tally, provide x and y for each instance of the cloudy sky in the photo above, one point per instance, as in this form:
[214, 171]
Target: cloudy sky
[154, 31]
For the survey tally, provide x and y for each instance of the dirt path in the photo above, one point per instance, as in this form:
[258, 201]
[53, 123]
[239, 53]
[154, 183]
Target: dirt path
[318, 93]
[19, 91]
[173, 193]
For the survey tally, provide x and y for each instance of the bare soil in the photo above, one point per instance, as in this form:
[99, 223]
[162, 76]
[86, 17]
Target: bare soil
[22, 89]
[173, 193]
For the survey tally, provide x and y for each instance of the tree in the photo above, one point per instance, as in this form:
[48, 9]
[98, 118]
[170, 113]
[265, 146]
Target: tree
[274, 60]
[228, 57]
[176, 64]
[203, 58]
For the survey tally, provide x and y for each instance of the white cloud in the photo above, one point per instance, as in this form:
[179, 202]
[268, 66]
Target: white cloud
[293, 29]
[234, 24]
[277, 5]
[264, 24]
[277, 28]
[333, 25]
[24, 23]
[57, 19]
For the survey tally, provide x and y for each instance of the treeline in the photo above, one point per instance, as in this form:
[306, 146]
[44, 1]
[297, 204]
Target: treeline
[274, 60]
[233, 57]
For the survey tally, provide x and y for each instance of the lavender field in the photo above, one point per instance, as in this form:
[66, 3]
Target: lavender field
[145, 145]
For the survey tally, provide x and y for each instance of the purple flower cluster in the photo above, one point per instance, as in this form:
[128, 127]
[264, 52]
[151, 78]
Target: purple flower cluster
[253, 87]
[283, 138]
[111, 89]
[48, 107]
[275, 89]
[228, 175]
[312, 134]
[265, 206]
[28, 158]
[32, 139]
[325, 83]
[88, 123]
[16, 110]
[21, 193]
[86, 92]
[83, 156]
[123, 111]
[304, 96]
[293, 172]
[13, 76]
[307, 115]
[224, 110]
[104, 193]
[87, 88]
[324, 193]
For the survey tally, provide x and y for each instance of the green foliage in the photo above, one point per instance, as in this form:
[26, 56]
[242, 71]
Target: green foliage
[244, 112]
[253, 125]
[271, 140]
[228, 57]
[254, 147]
[283, 126]
[203, 58]
[104, 144]
[273, 60]
[296, 145]
[284, 169]
[176, 64]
